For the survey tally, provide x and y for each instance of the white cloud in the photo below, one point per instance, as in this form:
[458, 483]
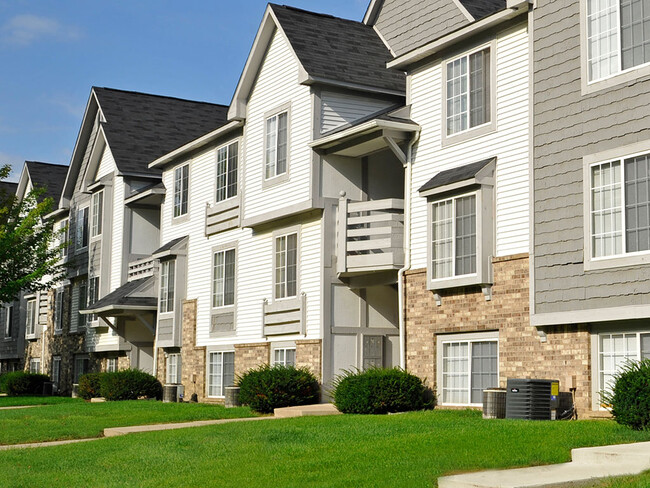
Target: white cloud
[23, 30]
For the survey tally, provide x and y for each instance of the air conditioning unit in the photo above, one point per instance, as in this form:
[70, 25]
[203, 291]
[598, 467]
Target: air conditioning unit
[532, 399]
[173, 393]
[494, 403]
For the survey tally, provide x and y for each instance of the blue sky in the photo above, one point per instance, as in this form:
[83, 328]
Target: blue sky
[51, 53]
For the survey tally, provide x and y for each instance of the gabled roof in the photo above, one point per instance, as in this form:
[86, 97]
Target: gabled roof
[49, 176]
[8, 188]
[135, 295]
[456, 175]
[478, 9]
[331, 48]
[328, 49]
[140, 128]
[170, 247]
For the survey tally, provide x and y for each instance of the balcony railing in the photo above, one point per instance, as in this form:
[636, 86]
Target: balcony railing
[141, 268]
[370, 236]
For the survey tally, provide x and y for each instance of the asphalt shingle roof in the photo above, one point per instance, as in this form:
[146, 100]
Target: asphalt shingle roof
[122, 296]
[169, 245]
[338, 49]
[141, 128]
[8, 188]
[49, 176]
[455, 175]
[482, 8]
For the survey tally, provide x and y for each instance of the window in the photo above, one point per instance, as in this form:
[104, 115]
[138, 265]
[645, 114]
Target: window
[181, 182]
[285, 356]
[620, 206]
[167, 271]
[618, 36]
[56, 370]
[276, 145]
[468, 91]
[223, 278]
[615, 350]
[98, 212]
[64, 236]
[82, 228]
[8, 322]
[35, 365]
[80, 367]
[373, 352]
[468, 367]
[58, 311]
[221, 372]
[286, 266]
[173, 369]
[93, 296]
[453, 237]
[227, 172]
[111, 365]
[30, 323]
[83, 297]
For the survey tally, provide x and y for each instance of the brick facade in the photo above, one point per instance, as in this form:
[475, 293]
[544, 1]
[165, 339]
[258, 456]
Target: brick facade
[192, 357]
[522, 353]
[249, 356]
[309, 355]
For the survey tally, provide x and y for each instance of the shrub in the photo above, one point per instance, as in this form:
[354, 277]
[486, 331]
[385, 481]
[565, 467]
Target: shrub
[629, 399]
[3, 383]
[89, 385]
[129, 384]
[23, 383]
[378, 390]
[266, 388]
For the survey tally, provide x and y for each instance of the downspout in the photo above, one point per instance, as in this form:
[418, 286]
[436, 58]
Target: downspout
[43, 333]
[407, 249]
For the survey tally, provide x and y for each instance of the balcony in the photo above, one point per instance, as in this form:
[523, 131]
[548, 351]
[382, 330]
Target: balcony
[370, 236]
[141, 268]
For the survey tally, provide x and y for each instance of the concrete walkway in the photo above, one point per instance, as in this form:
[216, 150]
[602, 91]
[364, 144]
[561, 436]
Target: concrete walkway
[115, 431]
[306, 411]
[45, 444]
[588, 465]
[17, 407]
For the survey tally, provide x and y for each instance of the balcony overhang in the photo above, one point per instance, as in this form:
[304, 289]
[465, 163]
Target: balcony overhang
[129, 300]
[367, 138]
[152, 195]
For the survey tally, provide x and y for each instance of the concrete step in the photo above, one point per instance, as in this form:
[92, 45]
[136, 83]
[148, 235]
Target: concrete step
[306, 411]
[639, 453]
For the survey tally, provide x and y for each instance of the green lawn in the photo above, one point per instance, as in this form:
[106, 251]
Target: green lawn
[408, 450]
[641, 481]
[10, 401]
[78, 419]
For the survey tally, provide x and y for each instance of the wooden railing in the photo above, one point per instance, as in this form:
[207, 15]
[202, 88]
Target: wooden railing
[370, 235]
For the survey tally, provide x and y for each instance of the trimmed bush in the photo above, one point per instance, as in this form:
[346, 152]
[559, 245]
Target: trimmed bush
[266, 388]
[378, 391]
[129, 384]
[89, 385]
[23, 383]
[629, 400]
[3, 383]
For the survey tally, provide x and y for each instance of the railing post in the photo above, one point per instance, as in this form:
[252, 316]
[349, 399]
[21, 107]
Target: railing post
[342, 235]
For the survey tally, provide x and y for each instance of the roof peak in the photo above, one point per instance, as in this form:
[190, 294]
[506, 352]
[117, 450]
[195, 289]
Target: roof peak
[316, 14]
[133, 92]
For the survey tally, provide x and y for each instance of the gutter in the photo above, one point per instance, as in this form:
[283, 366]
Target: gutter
[407, 249]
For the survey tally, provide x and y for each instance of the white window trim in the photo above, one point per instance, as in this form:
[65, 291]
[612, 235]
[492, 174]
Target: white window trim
[56, 379]
[8, 322]
[479, 130]
[176, 379]
[64, 237]
[112, 361]
[227, 349]
[79, 242]
[58, 310]
[97, 217]
[36, 361]
[282, 177]
[625, 259]
[284, 233]
[182, 217]
[621, 77]
[215, 251]
[92, 318]
[30, 331]
[167, 312]
[472, 337]
[283, 346]
[216, 165]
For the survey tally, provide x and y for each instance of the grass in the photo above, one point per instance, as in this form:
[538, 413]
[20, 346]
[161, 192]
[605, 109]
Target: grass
[640, 481]
[407, 450]
[78, 419]
[12, 401]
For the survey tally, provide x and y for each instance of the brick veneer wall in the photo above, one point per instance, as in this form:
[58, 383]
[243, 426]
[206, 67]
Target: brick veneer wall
[522, 354]
[249, 356]
[309, 355]
[192, 357]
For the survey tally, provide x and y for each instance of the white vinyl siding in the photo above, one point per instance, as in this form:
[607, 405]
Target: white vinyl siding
[97, 213]
[618, 36]
[509, 144]
[221, 372]
[620, 206]
[276, 87]
[227, 163]
[286, 266]
[618, 349]
[173, 369]
[275, 152]
[117, 234]
[181, 190]
[223, 278]
[30, 322]
[284, 356]
[338, 109]
[167, 278]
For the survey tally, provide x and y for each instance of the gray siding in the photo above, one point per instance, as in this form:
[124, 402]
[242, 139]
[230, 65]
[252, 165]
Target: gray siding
[567, 127]
[407, 24]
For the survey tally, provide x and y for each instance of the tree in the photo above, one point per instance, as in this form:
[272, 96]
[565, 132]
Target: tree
[30, 255]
